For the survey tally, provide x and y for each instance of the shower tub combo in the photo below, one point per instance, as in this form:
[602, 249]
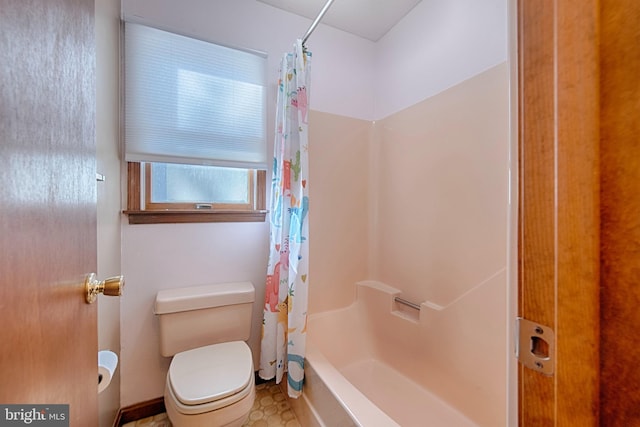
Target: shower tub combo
[381, 362]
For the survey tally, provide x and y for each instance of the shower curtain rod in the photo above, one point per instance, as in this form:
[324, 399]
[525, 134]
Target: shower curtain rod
[315, 23]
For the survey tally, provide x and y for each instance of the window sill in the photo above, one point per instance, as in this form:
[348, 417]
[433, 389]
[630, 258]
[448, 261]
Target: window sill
[182, 217]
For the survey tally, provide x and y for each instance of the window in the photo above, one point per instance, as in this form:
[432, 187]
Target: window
[186, 185]
[191, 193]
[194, 124]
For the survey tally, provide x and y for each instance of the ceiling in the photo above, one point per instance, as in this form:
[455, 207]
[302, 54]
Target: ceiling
[370, 19]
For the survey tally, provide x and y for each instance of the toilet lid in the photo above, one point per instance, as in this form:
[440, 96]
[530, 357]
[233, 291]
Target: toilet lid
[211, 373]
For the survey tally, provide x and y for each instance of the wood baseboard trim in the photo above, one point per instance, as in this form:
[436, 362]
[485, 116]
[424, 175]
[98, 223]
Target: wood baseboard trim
[139, 411]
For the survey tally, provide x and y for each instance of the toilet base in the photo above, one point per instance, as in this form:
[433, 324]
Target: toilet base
[233, 415]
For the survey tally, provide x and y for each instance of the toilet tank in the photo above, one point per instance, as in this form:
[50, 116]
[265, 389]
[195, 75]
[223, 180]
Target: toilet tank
[196, 316]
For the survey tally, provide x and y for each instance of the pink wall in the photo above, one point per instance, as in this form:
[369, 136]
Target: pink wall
[437, 46]
[417, 200]
[339, 222]
[442, 181]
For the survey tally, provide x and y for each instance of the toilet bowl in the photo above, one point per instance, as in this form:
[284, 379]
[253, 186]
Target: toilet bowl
[210, 381]
[212, 386]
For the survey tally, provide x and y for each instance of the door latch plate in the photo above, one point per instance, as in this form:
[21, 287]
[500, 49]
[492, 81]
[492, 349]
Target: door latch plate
[535, 346]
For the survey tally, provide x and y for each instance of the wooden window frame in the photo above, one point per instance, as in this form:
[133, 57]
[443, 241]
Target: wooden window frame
[160, 213]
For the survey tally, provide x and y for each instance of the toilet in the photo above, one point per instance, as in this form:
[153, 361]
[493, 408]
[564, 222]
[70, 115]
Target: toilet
[210, 381]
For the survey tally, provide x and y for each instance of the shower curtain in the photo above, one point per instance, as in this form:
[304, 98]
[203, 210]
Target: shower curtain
[285, 310]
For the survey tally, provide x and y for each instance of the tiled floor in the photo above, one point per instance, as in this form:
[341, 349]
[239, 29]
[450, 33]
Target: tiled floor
[270, 409]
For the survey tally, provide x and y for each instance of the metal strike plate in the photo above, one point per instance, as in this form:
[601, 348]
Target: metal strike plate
[535, 347]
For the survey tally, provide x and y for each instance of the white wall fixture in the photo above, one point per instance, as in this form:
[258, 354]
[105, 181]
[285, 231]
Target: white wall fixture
[107, 364]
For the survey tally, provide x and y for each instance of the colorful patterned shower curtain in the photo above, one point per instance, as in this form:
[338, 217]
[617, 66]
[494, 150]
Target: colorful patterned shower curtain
[285, 311]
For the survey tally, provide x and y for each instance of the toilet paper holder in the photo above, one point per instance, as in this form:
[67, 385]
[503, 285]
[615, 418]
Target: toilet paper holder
[107, 364]
[113, 286]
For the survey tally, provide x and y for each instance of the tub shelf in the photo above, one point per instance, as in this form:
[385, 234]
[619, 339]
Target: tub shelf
[423, 311]
[398, 306]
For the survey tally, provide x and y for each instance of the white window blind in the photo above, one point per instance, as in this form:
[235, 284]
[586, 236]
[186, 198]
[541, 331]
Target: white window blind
[194, 102]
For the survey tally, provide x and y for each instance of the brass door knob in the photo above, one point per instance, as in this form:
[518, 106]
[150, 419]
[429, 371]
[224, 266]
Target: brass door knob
[113, 286]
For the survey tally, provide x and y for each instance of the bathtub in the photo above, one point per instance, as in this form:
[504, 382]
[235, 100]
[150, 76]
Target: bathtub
[381, 363]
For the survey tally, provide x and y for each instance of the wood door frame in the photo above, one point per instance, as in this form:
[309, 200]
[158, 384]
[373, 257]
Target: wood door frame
[559, 188]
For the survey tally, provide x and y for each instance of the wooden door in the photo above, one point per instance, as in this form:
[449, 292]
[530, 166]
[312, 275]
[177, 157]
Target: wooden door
[620, 207]
[48, 336]
[579, 219]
